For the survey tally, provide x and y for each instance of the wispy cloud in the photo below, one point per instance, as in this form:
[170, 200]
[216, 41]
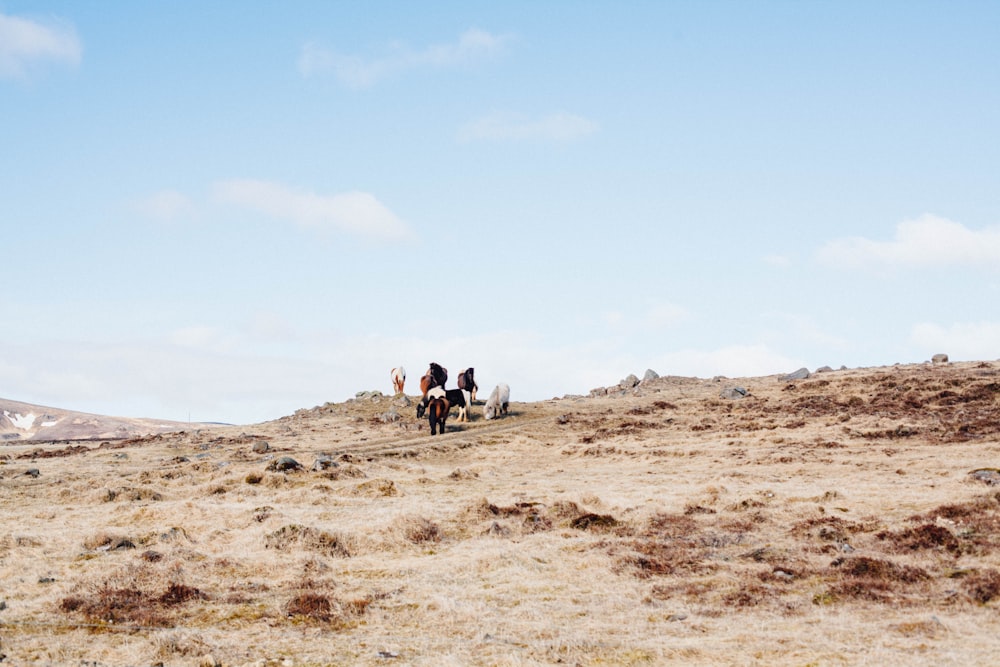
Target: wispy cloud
[24, 42]
[927, 241]
[359, 72]
[505, 126]
[355, 213]
[165, 205]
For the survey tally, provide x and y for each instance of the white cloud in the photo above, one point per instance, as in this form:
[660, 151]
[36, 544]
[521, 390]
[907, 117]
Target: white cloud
[970, 341]
[357, 213]
[165, 205]
[504, 126]
[24, 42]
[358, 72]
[927, 241]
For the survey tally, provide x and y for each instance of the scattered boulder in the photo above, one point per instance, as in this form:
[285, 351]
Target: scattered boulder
[390, 416]
[284, 464]
[989, 476]
[801, 374]
[629, 382]
[939, 359]
[32, 472]
[260, 447]
[600, 391]
[734, 393]
[650, 375]
[324, 462]
[824, 369]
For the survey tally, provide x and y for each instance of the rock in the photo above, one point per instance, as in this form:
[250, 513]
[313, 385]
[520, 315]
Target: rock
[260, 447]
[402, 401]
[733, 393]
[989, 476]
[824, 369]
[324, 462]
[284, 464]
[650, 375]
[629, 382]
[939, 359]
[33, 472]
[800, 374]
[600, 391]
[390, 416]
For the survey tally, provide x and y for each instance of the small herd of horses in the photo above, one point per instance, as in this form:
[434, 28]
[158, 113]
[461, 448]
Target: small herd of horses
[437, 402]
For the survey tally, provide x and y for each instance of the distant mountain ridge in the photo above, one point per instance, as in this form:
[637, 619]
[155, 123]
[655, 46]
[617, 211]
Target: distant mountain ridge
[25, 422]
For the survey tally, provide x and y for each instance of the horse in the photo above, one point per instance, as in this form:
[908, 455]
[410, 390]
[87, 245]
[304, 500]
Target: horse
[439, 373]
[398, 376]
[498, 402]
[467, 382]
[437, 414]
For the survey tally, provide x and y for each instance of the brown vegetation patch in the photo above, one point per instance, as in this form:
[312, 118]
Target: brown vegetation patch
[594, 522]
[419, 530]
[983, 585]
[40, 453]
[308, 538]
[926, 536]
[130, 605]
[310, 605]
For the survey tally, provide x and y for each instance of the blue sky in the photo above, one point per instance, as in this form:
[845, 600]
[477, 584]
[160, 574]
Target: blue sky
[230, 211]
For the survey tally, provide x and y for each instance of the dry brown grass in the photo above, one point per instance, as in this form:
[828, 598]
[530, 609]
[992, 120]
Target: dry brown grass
[828, 521]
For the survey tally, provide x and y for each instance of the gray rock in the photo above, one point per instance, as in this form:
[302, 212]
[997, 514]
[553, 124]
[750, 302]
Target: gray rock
[260, 447]
[324, 462]
[800, 374]
[939, 359]
[989, 476]
[650, 375]
[733, 393]
[284, 464]
[824, 369]
[390, 416]
[629, 382]
[33, 472]
[600, 391]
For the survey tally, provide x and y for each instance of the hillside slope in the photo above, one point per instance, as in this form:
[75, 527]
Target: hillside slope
[852, 517]
[27, 422]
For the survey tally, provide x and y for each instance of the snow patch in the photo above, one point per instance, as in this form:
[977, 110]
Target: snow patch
[23, 422]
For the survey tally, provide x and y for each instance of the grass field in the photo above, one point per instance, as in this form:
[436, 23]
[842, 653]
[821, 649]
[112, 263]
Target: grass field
[849, 518]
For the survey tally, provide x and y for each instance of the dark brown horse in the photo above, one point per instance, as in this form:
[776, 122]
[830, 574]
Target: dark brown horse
[439, 373]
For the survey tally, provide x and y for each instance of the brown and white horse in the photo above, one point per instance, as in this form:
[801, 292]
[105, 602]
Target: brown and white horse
[437, 414]
[467, 382]
[398, 376]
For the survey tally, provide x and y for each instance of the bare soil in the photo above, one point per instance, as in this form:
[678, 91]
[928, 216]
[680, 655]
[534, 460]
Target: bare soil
[849, 518]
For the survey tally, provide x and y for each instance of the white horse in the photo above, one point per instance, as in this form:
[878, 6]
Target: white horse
[498, 401]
